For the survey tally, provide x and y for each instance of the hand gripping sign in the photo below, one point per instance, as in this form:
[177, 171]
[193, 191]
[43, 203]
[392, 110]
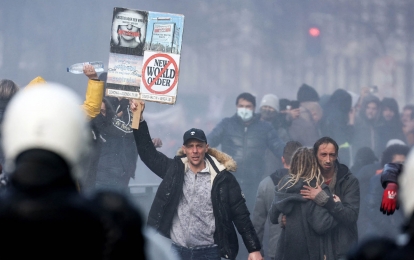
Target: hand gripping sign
[160, 77]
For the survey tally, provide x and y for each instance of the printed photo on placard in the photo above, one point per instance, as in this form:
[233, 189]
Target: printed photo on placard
[124, 72]
[164, 32]
[128, 31]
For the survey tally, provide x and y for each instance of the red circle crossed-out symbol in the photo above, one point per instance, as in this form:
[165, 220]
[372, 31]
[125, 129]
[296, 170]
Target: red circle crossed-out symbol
[150, 85]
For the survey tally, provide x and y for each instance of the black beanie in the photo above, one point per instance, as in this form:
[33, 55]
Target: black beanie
[307, 93]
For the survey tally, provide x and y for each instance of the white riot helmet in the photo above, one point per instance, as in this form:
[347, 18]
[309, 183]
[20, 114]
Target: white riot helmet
[46, 117]
[406, 185]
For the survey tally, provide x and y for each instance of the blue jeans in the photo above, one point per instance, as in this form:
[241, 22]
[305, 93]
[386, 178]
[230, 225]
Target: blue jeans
[211, 252]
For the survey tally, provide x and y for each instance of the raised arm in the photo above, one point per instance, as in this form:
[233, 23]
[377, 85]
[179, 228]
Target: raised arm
[94, 93]
[156, 161]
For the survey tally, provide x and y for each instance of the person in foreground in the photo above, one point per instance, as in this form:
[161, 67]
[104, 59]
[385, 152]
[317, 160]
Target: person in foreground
[306, 234]
[42, 214]
[198, 200]
[344, 204]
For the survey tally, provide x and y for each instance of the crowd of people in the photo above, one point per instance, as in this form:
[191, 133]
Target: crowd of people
[299, 179]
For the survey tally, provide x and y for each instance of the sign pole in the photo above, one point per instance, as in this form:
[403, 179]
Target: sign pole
[137, 115]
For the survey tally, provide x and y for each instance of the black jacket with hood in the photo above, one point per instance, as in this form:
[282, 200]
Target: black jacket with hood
[228, 203]
[345, 212]
[335, 122]
[365, 130]
[391, 129]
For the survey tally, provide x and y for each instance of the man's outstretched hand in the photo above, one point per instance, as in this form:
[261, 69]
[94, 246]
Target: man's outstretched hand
[389, 199]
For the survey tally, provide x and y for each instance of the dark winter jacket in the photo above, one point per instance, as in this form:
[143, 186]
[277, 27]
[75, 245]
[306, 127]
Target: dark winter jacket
[118, 154]
[345, 212]
[228, 203]
[390, 173]
[307, 231]
[246, 145]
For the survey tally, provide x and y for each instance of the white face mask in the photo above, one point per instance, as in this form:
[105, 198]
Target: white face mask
[244, 113]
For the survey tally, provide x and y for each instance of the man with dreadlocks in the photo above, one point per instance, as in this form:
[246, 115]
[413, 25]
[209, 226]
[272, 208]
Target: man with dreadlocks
[304, 226]
[343, 205]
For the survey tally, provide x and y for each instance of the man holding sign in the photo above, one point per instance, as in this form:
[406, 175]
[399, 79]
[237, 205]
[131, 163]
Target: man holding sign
[199, 201]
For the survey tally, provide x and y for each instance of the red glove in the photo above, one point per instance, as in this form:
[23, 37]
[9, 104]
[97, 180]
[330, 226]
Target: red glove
[389, 199]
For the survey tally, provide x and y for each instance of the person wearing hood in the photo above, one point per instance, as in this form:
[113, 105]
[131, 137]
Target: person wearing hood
[245, 138]
[199, 201]
[42, 211]
[114, 161]
[390, 125]
[305, 129]
[337, 122]
[366, 125]
[364, 156]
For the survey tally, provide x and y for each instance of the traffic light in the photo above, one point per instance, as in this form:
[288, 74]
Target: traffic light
[313, 41]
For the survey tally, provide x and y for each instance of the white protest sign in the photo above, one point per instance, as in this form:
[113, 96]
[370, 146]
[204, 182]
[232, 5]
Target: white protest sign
[159, 77]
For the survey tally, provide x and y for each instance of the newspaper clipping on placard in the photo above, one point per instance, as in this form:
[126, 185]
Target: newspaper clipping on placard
[144, 55]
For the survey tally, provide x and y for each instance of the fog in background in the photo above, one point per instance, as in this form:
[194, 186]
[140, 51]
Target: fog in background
[228, 47]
